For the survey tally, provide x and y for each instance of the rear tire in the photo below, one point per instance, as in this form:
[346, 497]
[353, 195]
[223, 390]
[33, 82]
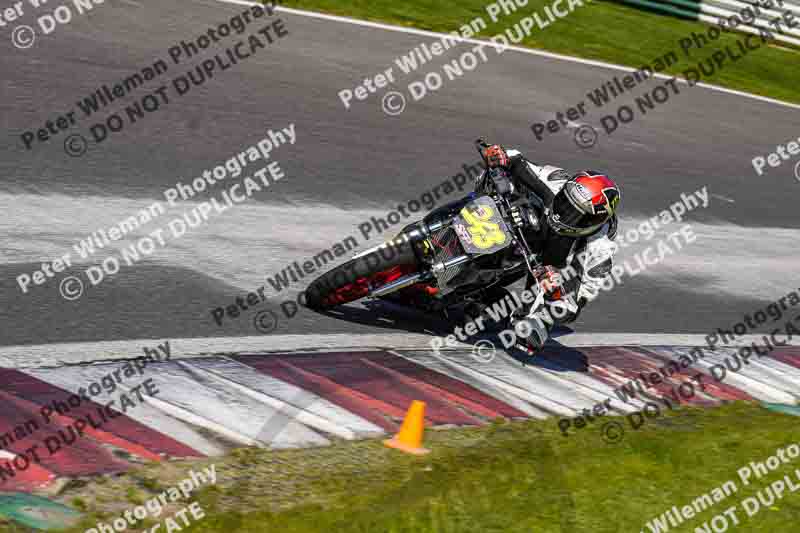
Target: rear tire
[353, 280]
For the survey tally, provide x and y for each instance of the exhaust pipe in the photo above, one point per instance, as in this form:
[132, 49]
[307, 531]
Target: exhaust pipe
[396, 285]
[411, 279]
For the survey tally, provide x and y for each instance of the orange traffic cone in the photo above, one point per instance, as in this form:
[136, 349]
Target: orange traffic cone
[409, 439]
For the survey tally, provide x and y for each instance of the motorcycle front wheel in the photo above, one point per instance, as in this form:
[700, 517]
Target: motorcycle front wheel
[357, 277]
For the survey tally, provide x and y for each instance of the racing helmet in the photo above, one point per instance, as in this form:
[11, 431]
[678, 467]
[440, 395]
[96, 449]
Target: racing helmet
[584, 204]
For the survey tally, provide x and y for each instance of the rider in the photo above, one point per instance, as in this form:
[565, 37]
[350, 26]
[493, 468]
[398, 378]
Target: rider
[573, 232]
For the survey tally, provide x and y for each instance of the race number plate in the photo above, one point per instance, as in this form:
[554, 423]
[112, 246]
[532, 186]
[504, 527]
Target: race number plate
[480, 228]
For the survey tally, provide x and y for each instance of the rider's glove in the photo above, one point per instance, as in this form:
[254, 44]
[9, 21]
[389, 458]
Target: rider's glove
[550, 280]
[496, 156]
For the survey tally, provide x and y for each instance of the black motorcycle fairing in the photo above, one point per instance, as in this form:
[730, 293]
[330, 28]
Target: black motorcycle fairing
[449, 210]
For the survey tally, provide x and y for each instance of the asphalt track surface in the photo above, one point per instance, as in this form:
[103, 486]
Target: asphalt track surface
[348, 165]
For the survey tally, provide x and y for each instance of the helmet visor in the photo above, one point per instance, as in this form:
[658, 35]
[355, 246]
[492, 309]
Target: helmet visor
[566, 218]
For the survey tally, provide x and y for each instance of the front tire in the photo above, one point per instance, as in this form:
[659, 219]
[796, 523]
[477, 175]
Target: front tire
[355, 279]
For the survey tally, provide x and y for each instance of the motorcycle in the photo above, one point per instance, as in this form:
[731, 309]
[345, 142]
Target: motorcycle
[459, 255]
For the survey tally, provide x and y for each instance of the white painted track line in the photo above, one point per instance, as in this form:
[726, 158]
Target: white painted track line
[519, 49]
[51, 355]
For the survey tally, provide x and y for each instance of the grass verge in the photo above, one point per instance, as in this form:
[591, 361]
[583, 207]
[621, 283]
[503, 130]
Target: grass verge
[509, 476]
[603, 31]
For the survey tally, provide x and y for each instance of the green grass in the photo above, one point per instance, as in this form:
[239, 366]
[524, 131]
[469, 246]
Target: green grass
[517, 477]
[600, 30]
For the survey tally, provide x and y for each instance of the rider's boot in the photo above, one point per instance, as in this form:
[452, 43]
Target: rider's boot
[532, 332]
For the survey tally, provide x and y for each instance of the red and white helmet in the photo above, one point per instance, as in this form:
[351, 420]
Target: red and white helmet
[584, 204]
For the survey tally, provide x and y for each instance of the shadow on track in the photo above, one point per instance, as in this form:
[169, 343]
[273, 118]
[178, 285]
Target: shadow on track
[387, 315]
